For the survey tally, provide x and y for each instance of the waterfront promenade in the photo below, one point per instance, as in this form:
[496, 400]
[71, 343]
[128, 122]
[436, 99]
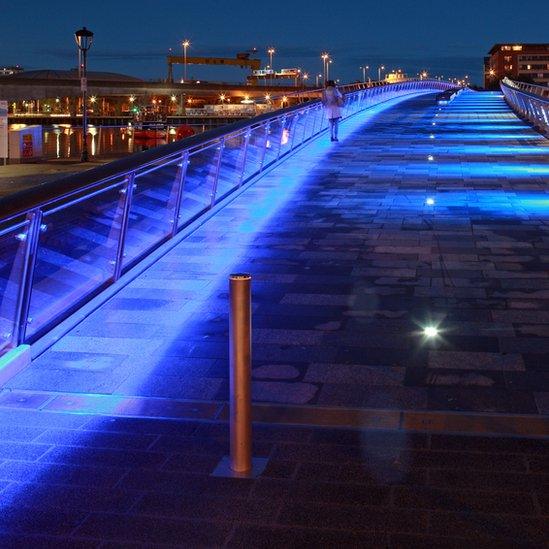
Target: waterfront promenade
[354, 248]
[417, 217]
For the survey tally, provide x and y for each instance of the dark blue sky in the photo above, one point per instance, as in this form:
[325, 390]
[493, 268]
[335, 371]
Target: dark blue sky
[449, 37]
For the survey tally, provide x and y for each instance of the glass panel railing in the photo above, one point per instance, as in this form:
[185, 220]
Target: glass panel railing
[152, 211]
[314, 126]
[299, 126]
[92, 219]
[12, 265]
[529, 101]
[286, 135]
[254, 154]
[307, 125]
[272, 144]
[76, 255]
[231, 165]
[199, 184]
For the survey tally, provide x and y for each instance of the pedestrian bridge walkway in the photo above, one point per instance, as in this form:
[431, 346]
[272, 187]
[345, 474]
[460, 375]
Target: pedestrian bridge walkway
[421, 216]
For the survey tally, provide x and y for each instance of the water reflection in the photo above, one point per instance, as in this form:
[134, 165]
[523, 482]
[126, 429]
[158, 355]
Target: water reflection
[65, 141]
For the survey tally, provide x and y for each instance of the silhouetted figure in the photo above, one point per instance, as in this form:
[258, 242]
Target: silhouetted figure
[333, 100]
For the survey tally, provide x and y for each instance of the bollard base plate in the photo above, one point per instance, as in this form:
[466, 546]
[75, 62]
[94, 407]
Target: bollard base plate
[223, 468]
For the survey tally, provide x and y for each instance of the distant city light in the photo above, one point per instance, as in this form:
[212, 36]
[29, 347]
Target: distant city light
[430, 331]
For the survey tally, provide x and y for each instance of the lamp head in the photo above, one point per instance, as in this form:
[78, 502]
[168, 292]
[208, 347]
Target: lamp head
[84, 38]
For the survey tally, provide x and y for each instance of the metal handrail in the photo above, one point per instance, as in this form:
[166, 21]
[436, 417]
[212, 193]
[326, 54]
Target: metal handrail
[535, 89]
[528, 101]
[344, 88]
[64, 241]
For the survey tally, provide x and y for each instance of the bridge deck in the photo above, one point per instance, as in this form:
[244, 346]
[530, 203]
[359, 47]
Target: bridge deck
[350, 261]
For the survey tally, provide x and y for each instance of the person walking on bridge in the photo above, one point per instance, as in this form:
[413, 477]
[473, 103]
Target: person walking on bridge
[333, 100]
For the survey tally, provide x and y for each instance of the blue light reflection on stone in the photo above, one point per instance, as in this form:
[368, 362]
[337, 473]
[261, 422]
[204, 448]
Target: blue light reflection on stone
[247, 217]
[489, 203]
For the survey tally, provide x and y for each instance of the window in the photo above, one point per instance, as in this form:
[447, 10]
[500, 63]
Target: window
[507, 58]
[505, 48]
[517, 48]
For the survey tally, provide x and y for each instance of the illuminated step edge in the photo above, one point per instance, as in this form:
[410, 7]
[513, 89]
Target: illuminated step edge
[504, 424]
[12, 362]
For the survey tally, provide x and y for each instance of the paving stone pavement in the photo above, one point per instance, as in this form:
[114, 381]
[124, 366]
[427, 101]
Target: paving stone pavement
[83, 481]
[419, 216]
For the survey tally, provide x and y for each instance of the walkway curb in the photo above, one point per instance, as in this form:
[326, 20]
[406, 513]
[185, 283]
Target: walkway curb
[310, 416]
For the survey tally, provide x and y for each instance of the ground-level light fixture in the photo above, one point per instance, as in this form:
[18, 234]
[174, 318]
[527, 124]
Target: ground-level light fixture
[430, 331]
[430, 201]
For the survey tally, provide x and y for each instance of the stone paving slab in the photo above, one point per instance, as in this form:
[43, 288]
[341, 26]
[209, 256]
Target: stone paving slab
[354, 248]
[84, 481]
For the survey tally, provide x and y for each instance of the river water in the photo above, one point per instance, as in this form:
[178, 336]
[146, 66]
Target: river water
[65, 141]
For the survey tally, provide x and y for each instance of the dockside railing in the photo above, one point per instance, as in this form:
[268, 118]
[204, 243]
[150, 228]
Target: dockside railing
[64, 242]
[529, 101]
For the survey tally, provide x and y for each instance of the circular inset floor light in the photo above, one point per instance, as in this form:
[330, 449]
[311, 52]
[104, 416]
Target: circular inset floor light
[433, 124]
[431, 136]
[430, 201]
[430, 158]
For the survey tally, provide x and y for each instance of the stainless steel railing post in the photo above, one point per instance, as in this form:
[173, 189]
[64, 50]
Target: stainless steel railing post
[240, 350]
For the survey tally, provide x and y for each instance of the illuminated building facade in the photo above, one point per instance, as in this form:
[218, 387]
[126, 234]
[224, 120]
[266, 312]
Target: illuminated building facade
[526, 62]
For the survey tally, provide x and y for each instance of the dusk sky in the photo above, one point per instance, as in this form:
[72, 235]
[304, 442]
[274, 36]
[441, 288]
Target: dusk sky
[449, 38]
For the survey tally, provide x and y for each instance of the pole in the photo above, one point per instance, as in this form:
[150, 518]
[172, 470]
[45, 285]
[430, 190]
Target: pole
[84, 157]
[185, 63]
[240, 351]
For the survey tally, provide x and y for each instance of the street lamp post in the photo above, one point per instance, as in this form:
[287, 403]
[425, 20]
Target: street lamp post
[324, 58]
[185, 45]
[379, 69]
[328, 63]
[364, 69]
[318, 77]
[84, 39]
[271, 51]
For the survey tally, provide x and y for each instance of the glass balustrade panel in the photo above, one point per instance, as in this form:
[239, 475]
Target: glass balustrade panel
[152, 209]
[76, 255]
[272, 143]
[314, 126]
[254, 154]
[299, 127]
[286, 134]
[232, 163]
[12, 262]
[199, 183]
